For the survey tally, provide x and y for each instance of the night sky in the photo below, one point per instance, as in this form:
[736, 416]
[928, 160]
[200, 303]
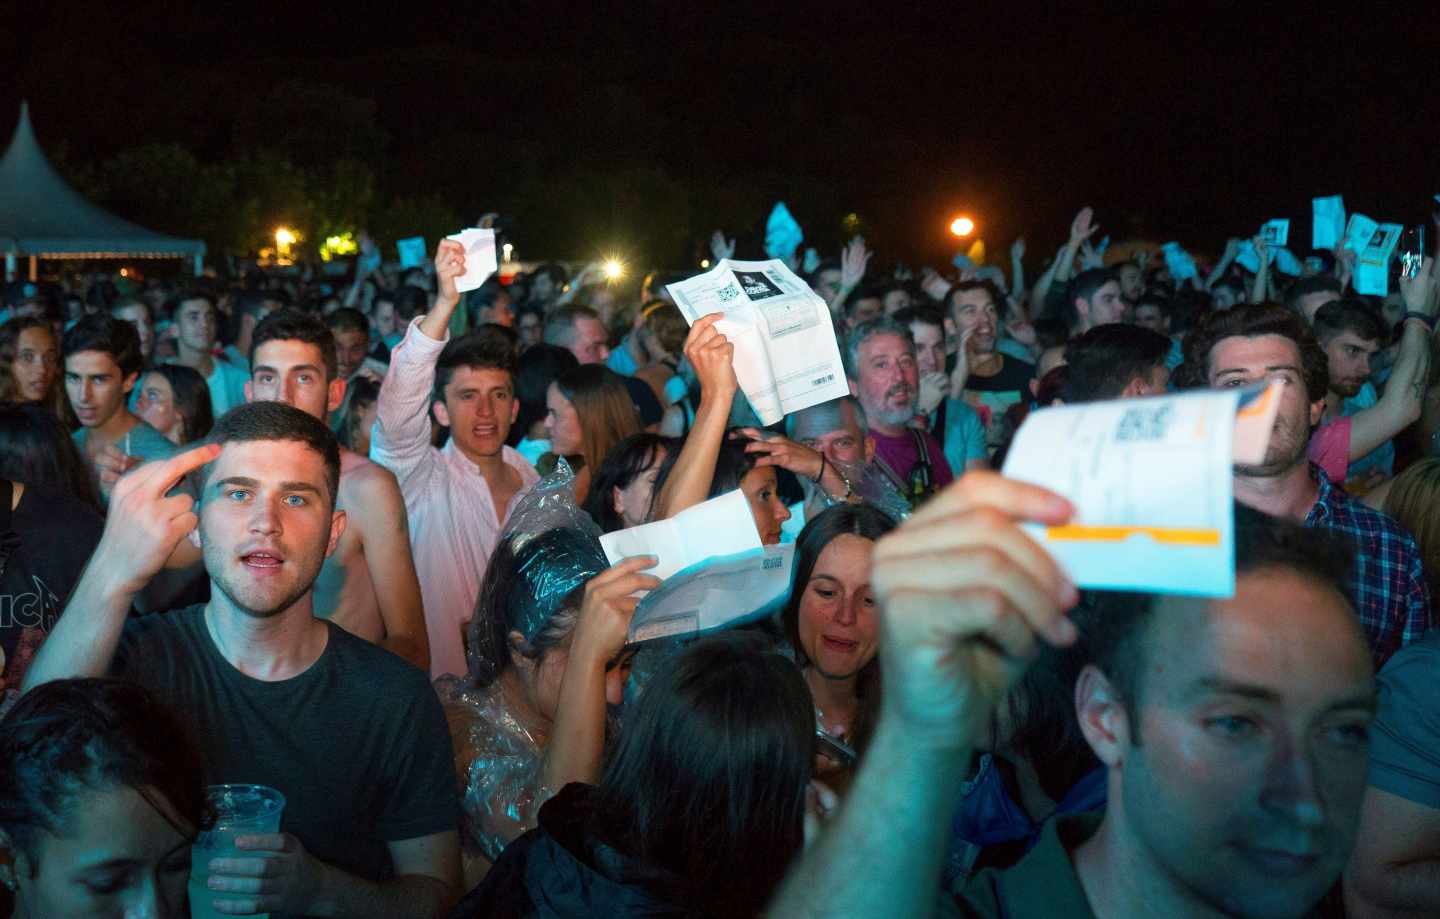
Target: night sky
[1193, 126]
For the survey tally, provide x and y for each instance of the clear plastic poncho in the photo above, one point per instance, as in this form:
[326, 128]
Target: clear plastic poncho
[499, 762]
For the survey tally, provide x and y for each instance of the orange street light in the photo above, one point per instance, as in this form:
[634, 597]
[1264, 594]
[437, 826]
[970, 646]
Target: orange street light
[962, 226]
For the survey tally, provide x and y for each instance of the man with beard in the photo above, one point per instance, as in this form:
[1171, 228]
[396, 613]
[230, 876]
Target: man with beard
[1351, 333]
[993, 381]
[1262, 342]
[884, 376]
[351, 735]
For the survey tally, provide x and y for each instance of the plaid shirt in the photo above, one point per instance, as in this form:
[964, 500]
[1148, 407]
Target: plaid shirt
[1388, 583]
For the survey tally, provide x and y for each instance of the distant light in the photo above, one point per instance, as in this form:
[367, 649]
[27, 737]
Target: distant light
[343, 244]
[704, 263]
[614, 269]
[284, 237]
[124, 272]
[962, 226]
[507, 252]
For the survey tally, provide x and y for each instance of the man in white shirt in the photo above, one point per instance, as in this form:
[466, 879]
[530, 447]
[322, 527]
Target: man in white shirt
[197, 325]
[457, 497]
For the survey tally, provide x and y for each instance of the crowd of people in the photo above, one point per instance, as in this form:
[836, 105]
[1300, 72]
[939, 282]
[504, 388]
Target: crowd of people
[344, 540]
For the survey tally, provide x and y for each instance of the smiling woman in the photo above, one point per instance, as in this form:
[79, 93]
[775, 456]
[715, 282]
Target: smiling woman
[101, 793]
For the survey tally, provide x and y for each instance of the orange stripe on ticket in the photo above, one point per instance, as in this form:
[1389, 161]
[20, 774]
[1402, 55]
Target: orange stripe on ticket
[1175, 536]
[1259, 406]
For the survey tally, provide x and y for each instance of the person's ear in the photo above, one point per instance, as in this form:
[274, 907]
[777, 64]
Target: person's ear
[517, 659]
[1082, 309]
[854, 390]
[1103, 717]
[441, 413]
[336, 395]
[130, 381]
[249, 391]
[615, 502]
[1317, 411]
[514, 409]
[1034, 385]
[337, 528]
[869, 449]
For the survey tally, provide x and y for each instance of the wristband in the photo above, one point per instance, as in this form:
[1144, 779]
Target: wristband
[821, 474]
[1428, 320]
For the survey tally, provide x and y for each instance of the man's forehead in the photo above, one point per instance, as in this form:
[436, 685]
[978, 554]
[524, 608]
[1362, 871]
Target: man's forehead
[823, 421]
[885, 343]
[280, 352]
[1245, 352]
[479, 378]
[1348, 337]
[91, 362]
[977, 297]
[269, 460]
[926, 331]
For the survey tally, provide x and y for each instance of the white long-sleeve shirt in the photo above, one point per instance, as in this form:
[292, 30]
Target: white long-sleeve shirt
[453, 524]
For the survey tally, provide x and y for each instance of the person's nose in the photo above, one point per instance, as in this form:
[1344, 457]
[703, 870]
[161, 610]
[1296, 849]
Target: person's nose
[1291, 789]
[265, 517]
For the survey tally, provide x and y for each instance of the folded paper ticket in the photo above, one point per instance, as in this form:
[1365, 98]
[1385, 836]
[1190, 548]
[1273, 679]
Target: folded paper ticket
[786, 355]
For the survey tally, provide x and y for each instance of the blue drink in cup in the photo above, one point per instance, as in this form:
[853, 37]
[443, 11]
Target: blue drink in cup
[240, 810]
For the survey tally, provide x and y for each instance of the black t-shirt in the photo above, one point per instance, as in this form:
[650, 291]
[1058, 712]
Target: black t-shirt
[57, 533]
[1014, 375]
[357, 743]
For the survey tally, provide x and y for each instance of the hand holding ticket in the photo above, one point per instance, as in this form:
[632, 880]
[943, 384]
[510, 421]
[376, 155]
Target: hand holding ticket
[480, 261]
[786, 357]
[1151, 482]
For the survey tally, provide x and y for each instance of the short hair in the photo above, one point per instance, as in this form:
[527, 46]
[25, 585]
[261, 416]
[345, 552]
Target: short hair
[560, 327]
[294, 325]
[1157, 300]
[880, 325]
[1115, 624]
[827, 414]
[923, 313]
[410, 301]
[1083, 287]
[1349, 315]
[195, 293]
[69, 736]
[265, 421]
[996, 295]
[192, 400]
[1253, 320]
[1105, 359]
[1314, 284]
[359, 393]
[347, 319]
[481, 349]
[106, 334]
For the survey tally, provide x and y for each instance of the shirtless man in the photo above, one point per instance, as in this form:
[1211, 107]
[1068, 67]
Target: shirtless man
[368, 585]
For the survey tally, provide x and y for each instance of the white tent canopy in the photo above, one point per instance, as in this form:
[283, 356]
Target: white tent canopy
[41, 216]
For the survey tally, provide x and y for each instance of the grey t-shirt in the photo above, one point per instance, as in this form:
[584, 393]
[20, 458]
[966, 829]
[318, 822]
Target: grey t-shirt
[1405, 738]
[142, 441]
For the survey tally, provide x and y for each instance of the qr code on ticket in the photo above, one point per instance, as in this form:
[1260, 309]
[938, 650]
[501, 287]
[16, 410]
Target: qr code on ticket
[1138, 424]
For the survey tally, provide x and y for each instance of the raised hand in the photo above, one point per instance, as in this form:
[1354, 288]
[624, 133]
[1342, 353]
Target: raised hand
[936, 287]
[1017, 249]
[853, 261]
[111, 463]
[720, 247]
[934, 387]
[1090, 257]
[1262, 249]
[145, 523]
[1419, 292]
[713, 357]
[1083, 227]
[449, 265]
[605, 613]
[961, 373]
[964, 593]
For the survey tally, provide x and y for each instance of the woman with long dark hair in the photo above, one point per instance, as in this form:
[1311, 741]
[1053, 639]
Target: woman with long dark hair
[101, 795]
[622, 490]
[699, 812]
[34, 449]
[30, 365]
[175, 400]
[832, 626]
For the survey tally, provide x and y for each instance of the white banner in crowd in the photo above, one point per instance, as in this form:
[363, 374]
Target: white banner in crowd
[1329, 222]
[786, 356]
[1151, 482]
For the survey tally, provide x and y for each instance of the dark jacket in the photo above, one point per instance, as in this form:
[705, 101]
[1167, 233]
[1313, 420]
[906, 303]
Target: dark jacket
[563, 869]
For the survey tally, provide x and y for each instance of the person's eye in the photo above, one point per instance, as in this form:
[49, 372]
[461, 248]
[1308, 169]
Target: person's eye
[265, 379]
[295, 501]
[825, 593]
[306, 378]
[1350, 735]
[237, 494]
[1232, 727]
[1232, 383]
[107, 884]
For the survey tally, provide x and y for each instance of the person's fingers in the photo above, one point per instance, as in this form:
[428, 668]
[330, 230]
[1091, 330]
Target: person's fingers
[245, 868]
[159, 477]
[625, 585]
[626, 566]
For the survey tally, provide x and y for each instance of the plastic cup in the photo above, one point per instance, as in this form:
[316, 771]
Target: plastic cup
[240, 810]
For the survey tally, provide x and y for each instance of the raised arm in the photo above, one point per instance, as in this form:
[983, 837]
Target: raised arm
[854, 259]
[378, 514]
[1017, 273]
[712, 356]
[964, 594]
[1232, 249]
[1404, 395]
[1260, 288]
[142, 530]
[401, 438]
